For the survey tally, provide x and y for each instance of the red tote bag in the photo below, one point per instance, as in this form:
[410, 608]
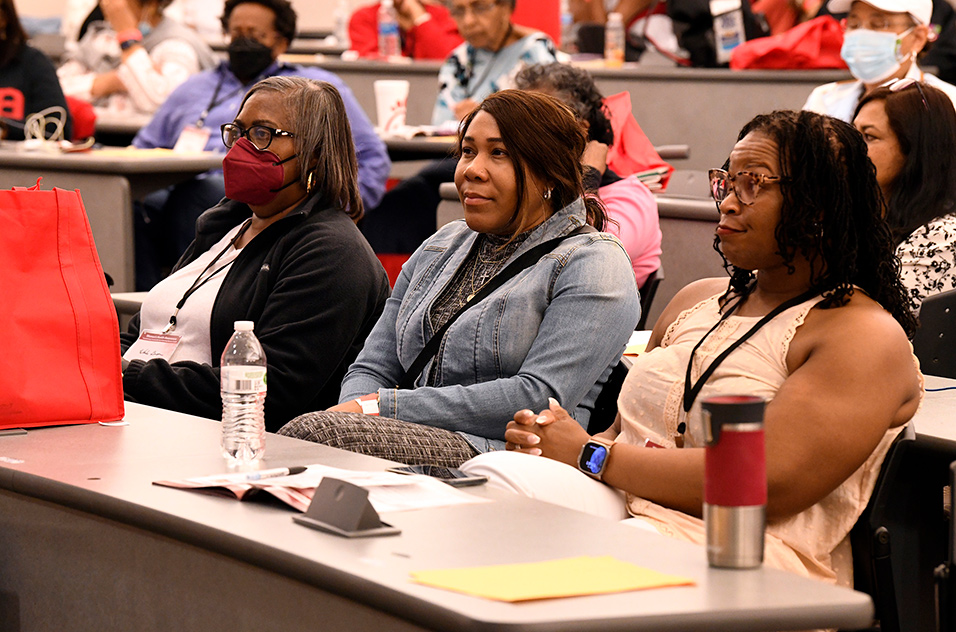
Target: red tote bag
[60, 359]
[811, 45]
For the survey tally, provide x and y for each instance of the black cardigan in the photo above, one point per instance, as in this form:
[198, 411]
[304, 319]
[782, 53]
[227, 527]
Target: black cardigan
[314, 289]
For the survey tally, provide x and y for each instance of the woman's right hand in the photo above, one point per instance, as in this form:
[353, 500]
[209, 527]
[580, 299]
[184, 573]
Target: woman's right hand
[551, 433]
[595, 156]
[407, 11]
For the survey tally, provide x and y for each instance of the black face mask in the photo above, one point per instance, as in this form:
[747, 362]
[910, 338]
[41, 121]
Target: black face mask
[247, 58]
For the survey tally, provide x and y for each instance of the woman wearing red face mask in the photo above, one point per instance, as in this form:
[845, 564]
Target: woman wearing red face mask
[281, 250]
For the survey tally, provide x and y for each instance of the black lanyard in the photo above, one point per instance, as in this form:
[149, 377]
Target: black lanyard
[691, 392]
[213, 102]
[200, 281]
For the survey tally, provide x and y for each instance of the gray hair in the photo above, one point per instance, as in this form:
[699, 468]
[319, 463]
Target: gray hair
[323, 138]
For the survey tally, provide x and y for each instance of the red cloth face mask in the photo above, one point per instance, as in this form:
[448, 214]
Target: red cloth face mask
[253, 177]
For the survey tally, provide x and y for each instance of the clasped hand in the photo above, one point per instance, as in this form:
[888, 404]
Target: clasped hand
[551, 433]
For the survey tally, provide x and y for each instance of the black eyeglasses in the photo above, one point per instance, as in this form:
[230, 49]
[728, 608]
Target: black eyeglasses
[259, 135]
[902, 84]
[745, 184]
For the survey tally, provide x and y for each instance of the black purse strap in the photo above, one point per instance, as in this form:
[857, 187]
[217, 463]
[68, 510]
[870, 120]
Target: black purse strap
[526, 260]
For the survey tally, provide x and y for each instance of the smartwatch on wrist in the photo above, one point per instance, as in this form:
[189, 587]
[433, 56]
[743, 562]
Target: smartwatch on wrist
[594, 456]
[128, 38]
[369, 404]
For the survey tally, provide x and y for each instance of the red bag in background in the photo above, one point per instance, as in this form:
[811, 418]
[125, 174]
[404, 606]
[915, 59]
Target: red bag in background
[60, 360]
[84, 118]
[632, 152]
[812, 45]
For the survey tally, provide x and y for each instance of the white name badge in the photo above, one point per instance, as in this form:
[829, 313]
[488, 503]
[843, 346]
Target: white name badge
[191, 140]
[152, 345]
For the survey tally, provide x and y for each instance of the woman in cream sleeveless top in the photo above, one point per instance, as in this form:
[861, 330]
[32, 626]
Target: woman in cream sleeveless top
[819, 312]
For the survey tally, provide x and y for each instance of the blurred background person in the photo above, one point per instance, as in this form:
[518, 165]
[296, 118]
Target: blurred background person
[282, 250]
[883, 40]
[816, 305]
[426, 27]
[629, 205]
[494, 51]
[259, 31]
[28, 81]
[910, 133]
[133, 60]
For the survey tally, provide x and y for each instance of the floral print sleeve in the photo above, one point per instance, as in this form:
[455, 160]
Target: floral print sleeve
[928, 260]
[474, 73]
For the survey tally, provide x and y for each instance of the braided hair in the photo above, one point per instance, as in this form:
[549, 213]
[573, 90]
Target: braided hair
[831, 213]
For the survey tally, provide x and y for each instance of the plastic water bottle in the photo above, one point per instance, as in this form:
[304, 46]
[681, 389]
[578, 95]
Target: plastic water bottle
[614, 41]
[341, 23]
[729, 32]
[389, 39]
[567, 28]
[243, 381]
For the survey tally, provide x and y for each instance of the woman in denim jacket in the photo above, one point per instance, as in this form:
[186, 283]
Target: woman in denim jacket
[553, 331]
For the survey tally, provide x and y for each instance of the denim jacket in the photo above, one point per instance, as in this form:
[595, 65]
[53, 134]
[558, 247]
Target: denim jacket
[554, 330]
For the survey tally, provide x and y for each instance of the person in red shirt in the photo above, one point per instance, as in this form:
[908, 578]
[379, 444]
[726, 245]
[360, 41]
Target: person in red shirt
[428, 32]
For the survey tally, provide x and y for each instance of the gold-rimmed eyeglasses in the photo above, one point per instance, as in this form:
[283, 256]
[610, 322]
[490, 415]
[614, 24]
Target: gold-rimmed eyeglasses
[746, 185]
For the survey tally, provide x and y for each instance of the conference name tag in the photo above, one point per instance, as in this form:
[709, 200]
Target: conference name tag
[191, 140]
[152, 345]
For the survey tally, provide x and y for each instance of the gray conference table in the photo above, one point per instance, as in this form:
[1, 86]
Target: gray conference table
[88, 543]
[701, 107]
[108, 180]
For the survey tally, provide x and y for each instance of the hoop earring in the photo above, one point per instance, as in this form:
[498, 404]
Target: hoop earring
[547, 194]
[310, 182]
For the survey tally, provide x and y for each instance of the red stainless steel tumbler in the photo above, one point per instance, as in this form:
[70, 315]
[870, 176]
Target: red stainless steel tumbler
[735, 480]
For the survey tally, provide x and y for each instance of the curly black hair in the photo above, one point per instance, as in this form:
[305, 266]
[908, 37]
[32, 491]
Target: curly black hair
[831, 213]
[576, 88]
[285, 15]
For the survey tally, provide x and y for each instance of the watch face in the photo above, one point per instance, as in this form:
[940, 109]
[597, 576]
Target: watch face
[592, 458]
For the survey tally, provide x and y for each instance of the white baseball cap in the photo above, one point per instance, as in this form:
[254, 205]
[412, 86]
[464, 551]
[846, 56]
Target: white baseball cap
[920, 10]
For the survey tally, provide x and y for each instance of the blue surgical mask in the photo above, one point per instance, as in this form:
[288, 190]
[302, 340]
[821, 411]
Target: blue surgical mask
[873, 56]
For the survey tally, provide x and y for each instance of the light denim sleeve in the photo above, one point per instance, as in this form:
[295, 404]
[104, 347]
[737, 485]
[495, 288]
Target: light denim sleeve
[594, 308]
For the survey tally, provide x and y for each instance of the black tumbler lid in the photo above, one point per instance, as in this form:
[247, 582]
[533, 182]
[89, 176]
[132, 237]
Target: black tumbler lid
[730, 409]
[736, 409]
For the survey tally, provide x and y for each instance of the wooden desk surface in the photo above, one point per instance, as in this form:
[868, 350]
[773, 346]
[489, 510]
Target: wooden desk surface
[106, 473]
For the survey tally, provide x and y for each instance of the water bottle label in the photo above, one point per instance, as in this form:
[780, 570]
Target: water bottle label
[243, 379]
[386, 29]
[729, 30]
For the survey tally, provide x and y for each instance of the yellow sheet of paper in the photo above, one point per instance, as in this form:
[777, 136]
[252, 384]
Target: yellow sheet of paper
[546, 580]
[636, 349]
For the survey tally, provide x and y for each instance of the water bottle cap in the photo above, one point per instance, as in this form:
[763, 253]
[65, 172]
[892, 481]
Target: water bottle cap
[615, 17]
[244, 325]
